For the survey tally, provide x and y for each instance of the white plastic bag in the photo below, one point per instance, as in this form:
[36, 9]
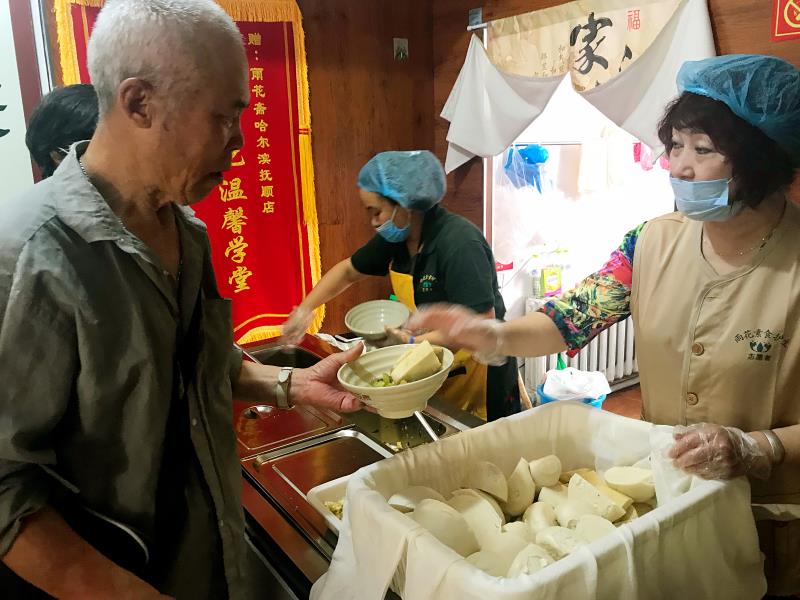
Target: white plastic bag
[572, 384]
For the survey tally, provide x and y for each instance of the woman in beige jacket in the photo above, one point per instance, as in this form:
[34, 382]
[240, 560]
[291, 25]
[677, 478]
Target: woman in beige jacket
[714, 291]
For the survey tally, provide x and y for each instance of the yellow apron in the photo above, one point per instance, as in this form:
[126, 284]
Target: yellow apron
[466, 390]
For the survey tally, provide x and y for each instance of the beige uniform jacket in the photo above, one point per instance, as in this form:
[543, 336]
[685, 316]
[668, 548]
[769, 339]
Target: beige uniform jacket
[725, 350]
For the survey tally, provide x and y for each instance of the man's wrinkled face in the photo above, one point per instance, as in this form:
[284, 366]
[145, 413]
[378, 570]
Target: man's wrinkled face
[199, 129]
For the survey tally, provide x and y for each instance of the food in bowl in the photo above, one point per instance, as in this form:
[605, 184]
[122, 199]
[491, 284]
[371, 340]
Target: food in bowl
[419, 362]
[416, 363]
[410, 363]
[385, 380]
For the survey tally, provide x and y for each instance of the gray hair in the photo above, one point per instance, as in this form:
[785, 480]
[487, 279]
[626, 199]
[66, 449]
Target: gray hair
[160, 41]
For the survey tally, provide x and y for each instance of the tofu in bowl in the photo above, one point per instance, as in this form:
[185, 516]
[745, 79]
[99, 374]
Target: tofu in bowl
[397, 380]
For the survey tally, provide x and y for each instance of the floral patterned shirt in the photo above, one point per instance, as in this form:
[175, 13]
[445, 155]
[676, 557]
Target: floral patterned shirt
[598, 301]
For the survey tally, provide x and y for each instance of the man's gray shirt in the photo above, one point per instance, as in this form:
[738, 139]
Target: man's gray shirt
[94, 340]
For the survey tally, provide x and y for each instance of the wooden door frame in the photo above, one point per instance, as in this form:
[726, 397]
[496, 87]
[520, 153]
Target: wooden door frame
[22, 27]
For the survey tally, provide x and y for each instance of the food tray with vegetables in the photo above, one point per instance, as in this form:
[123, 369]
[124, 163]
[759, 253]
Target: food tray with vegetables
[562, 501]
[328, 499]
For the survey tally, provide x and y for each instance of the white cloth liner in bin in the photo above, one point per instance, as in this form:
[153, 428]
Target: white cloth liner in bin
[701, 544]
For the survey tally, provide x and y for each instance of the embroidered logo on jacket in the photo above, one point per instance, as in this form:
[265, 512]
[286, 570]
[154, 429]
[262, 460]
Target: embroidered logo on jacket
[760, 343]
[426, 283]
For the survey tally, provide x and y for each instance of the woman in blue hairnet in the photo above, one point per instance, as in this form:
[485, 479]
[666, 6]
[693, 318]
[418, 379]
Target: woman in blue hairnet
[430, 255]
[714, 291]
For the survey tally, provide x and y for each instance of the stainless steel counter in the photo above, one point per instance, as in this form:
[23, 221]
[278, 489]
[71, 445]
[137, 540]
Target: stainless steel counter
[286, 453]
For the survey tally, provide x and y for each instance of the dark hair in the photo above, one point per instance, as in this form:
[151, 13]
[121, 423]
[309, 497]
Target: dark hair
[759, 165]
[65, 116]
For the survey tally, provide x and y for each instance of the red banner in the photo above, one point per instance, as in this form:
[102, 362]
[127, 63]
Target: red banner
[786, 14]
[257, 221]
[83, 18]
[254, 219]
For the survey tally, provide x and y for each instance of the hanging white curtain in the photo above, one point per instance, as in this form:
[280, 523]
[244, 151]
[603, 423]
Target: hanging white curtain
[623, 59]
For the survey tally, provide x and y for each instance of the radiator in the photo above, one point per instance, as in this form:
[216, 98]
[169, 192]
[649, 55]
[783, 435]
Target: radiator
[613, 353]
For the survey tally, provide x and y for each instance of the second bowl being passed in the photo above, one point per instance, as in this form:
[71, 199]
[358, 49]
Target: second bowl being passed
[370, 319]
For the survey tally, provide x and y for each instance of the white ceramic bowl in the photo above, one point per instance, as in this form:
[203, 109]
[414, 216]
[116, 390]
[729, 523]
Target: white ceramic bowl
[397, 401]
[370, 319]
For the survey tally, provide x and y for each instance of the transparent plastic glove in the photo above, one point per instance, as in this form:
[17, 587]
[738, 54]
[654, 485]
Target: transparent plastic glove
[462, 328]
[296, 325]
[394, 337]
[715, 452]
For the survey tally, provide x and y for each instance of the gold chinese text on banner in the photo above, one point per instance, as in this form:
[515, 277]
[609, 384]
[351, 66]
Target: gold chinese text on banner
[262, 221]
[593, 41]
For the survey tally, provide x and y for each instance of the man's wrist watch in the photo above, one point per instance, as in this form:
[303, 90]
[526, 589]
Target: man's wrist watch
[282, 388]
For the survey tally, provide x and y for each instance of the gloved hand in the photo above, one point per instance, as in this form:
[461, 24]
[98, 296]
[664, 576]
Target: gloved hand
[394, 337]
[462, 328]
[293, 330]
[715, 452]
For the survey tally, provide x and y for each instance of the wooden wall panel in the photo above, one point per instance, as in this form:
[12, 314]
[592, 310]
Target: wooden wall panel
[362, 102]
[450, 43]
[745, 27]
[27, 66]
[499, 9]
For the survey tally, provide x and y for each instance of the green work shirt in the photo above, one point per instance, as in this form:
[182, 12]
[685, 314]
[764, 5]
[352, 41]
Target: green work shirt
[454, 264]
[91, 370]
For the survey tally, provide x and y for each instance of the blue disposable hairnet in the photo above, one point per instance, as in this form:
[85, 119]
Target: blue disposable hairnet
[414, 180]
[762, 90]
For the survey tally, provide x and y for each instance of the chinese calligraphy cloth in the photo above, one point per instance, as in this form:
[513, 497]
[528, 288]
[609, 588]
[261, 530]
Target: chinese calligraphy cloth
[678, 550]
[493, 101]
[90, 331]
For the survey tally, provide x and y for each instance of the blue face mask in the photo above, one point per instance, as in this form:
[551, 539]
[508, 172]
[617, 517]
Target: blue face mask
[391, 232]
[704, 200]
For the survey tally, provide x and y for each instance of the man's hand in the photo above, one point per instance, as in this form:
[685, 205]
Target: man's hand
[318, 385]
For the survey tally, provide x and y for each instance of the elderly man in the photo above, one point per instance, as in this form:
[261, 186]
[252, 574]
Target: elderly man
[118, 472]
